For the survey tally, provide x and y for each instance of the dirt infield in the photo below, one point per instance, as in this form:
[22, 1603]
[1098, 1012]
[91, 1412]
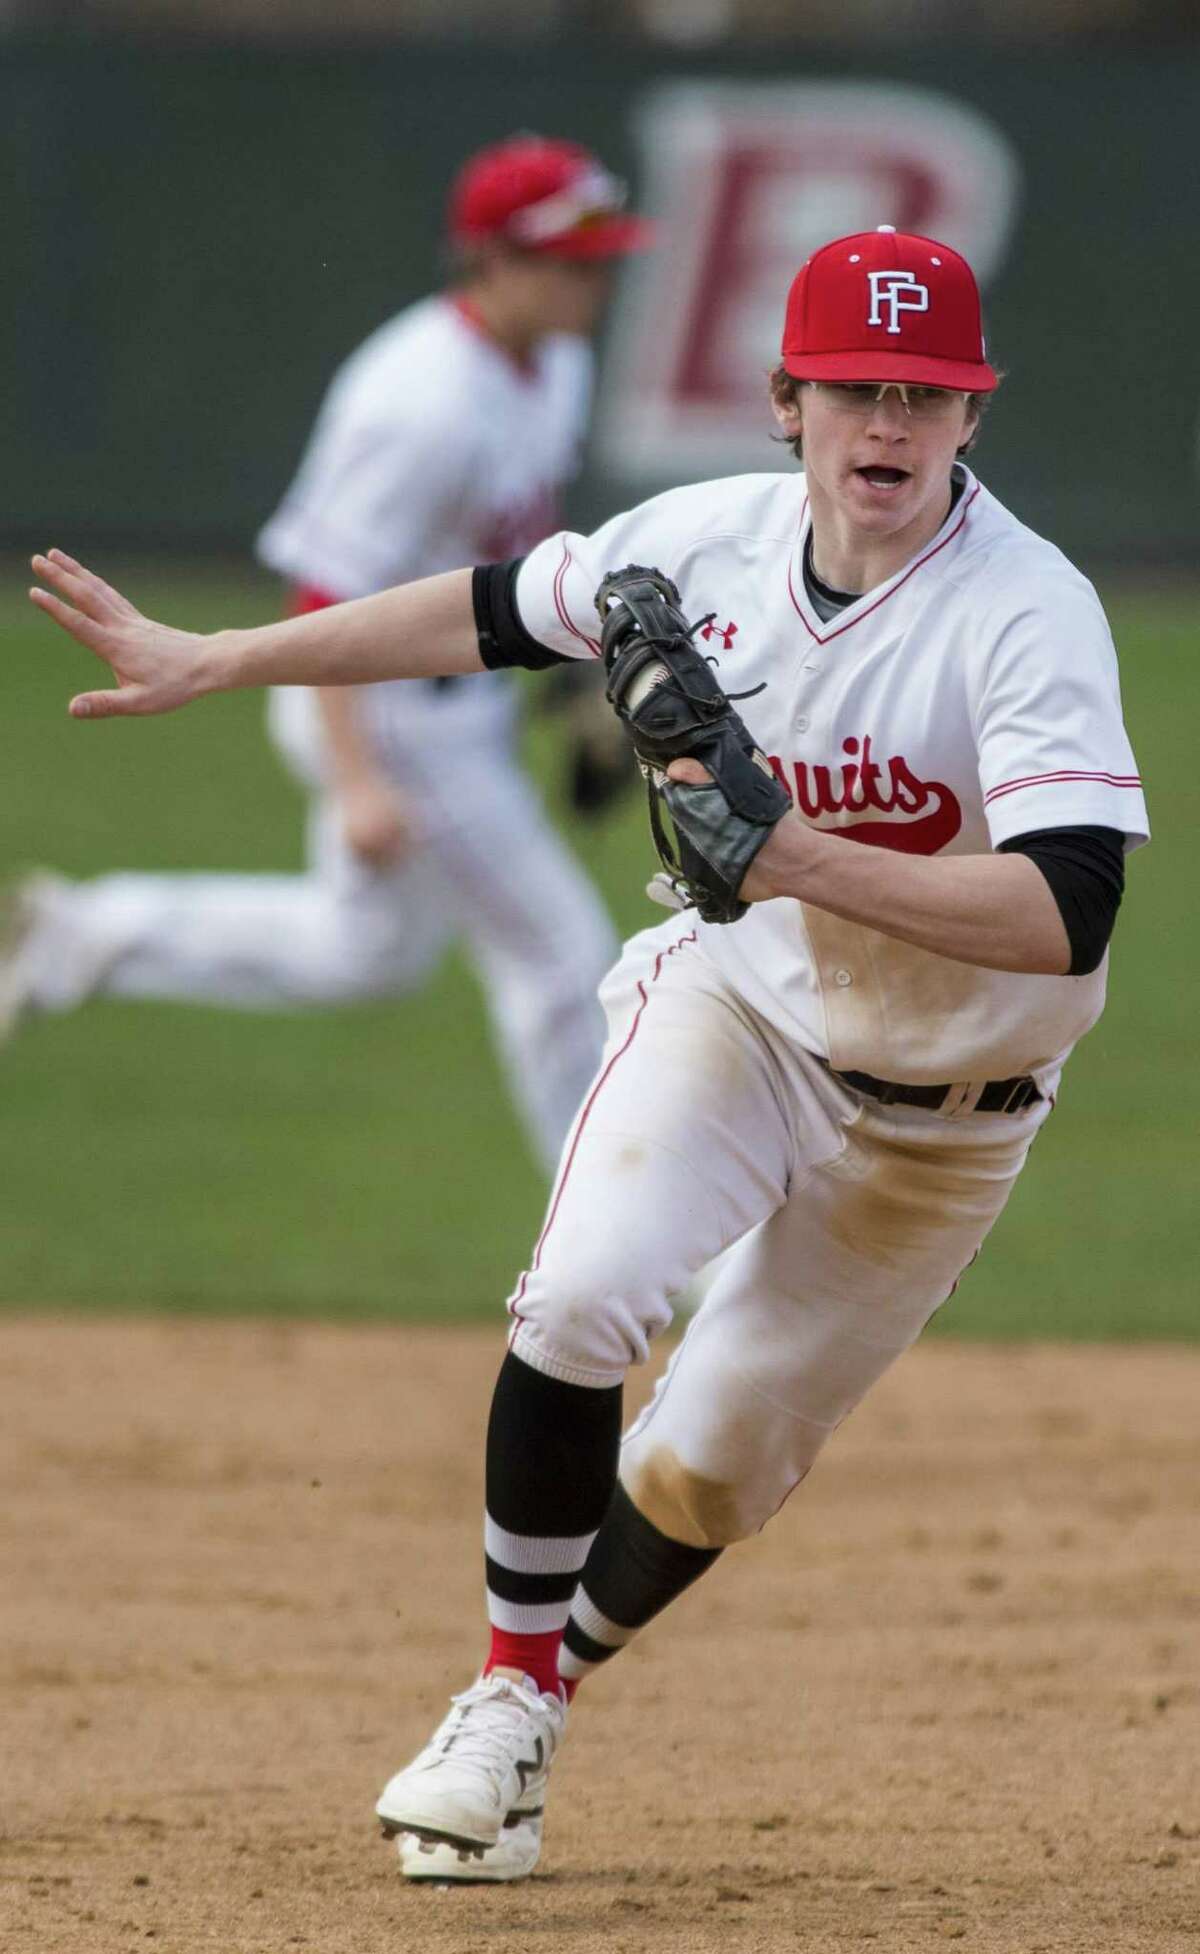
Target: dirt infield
[952, 1693]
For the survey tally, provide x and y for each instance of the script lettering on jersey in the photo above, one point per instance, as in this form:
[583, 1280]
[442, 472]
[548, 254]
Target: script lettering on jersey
[923, 815]
[897, 291]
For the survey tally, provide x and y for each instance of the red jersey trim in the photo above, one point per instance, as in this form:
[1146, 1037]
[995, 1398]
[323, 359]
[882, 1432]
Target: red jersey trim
[560, 605]
[1064, 773]
[644, 994]
[899, 585]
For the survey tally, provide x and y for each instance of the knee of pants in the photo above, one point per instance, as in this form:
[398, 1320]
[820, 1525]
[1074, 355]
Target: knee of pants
[587, 1313]
[713, 1502]
[707, 1461]
[741, 1416]
[684, 1502]
[386, 968]
[374, 951]
[630, 1223]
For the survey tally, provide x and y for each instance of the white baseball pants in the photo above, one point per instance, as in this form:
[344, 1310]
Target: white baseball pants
[853, 1224]
[492, 870]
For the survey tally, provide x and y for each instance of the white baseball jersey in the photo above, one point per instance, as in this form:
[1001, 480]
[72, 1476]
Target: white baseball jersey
[432, 449]
[971, 698]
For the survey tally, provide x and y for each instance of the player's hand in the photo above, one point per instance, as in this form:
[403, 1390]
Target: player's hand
[758, 883]
[689, 773]
[156, 667]
[377, 820]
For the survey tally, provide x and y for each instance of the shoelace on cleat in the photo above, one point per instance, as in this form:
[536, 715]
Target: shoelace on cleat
[482, 1724]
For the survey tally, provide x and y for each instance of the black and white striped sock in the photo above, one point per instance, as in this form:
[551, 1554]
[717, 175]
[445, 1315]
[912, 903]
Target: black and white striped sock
[551, 1466]
[630, 1575]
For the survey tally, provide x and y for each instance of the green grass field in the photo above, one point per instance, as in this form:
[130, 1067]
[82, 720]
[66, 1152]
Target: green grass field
[364, 1162]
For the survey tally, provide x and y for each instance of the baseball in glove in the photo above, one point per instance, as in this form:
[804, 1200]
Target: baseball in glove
[672, 707]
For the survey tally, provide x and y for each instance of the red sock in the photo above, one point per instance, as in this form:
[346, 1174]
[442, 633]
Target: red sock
[569, 1685]
[531, 1655]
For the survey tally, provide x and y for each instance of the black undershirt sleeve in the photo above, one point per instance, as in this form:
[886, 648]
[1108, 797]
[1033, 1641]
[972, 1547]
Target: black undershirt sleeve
[503, 639]
[1085, 868]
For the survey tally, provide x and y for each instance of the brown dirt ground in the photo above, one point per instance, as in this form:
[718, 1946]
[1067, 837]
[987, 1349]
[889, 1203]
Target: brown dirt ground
[952, 1693]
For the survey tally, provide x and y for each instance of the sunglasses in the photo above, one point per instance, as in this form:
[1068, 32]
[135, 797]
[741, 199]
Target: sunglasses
[863, 396]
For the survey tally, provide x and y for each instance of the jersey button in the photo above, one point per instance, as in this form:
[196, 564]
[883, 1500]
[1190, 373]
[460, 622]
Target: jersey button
[842, 978]
[802, 724]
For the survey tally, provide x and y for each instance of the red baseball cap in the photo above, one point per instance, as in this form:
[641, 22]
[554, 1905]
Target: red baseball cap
[887, 305]
[546, 196]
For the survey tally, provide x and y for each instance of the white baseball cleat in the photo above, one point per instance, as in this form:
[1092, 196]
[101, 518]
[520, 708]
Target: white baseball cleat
[490, 1757]
[514, 1855]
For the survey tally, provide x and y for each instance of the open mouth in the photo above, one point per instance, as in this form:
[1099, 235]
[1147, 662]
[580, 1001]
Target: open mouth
[884, 478]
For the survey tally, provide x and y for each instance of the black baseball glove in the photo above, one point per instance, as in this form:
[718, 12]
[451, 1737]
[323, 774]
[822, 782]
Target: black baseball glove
[668, 699]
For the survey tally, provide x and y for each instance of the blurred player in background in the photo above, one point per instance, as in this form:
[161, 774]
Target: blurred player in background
[447, 438]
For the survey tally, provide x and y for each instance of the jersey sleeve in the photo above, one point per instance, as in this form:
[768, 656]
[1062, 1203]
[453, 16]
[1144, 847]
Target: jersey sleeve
[1053, 750]
[381, 469]
[362, 516]
[554, 592]
[557, 583]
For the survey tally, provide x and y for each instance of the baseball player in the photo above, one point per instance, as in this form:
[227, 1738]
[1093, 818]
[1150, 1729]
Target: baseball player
[445, 439]
[904, 863]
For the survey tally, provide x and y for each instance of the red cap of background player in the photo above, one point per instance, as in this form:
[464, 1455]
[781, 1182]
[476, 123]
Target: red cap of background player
[886, 305]
[545, 196]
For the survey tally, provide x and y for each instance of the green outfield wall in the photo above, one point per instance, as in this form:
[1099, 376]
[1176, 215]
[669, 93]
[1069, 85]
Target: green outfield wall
[193, 238]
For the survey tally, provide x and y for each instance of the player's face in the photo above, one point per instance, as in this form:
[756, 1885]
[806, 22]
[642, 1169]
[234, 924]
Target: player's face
[880, 458]
[554, 294]
[571, 293]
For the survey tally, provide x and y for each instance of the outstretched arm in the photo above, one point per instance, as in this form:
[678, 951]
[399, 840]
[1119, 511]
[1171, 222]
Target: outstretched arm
[417, 630]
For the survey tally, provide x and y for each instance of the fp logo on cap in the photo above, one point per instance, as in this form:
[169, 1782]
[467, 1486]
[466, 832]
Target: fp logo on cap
[899, 292]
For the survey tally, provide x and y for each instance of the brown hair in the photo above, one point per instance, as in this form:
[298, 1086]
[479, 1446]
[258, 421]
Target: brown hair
[785, 392]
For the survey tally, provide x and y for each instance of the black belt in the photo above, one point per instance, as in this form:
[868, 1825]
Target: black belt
[998, 1095]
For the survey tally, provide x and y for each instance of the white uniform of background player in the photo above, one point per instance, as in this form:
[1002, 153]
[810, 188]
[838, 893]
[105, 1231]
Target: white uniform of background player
[446, 438]
[845, 1083]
